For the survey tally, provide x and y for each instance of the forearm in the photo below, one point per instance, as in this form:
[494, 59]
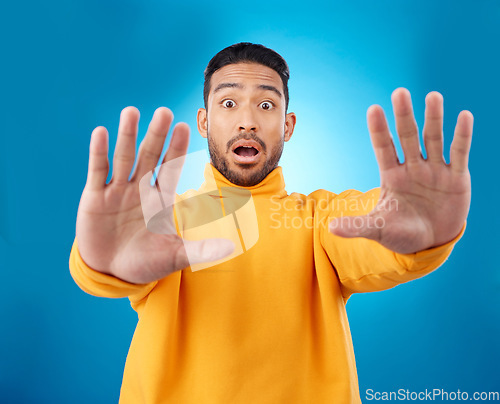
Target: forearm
[98, 283]
[365, 266]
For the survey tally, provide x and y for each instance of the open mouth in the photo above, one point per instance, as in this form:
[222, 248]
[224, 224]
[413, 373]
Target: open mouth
[246, 151]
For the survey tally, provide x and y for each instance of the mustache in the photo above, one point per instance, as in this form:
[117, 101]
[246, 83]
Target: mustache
[246, 136]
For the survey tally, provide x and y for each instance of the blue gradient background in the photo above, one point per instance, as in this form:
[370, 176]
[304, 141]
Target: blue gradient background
[70, 66]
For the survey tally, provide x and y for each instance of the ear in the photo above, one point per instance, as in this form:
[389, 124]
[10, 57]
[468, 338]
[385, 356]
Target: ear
[201, 118]
[290, 120]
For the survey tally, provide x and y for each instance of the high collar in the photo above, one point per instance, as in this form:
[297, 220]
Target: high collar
[273, 184]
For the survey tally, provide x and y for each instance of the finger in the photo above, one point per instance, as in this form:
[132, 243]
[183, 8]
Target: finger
[433, 127]
[460, 146]
[124, 156]
[157, 199]
[152, 145]
[170, 170]
[383, 145]
[158, 213]
[405, 125]
[367, 226]
[179, 143]
[98, 159]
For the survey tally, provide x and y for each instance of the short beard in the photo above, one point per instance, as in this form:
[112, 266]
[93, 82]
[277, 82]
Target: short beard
[221, 164]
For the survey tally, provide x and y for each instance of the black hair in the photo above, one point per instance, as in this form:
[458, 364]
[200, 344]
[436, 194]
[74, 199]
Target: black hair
[246, 52]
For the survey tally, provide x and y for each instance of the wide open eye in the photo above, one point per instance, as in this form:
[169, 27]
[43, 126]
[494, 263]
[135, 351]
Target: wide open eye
[266, 105]
[228, 103]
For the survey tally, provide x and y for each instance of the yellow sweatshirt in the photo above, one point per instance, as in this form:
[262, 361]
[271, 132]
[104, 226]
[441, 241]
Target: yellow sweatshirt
[268, 325]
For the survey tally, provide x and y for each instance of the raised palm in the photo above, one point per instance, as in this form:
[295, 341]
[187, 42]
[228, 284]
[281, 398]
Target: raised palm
[111, 232]
[423, 202]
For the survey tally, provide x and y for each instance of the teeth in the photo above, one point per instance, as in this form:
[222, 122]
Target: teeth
[247, 147]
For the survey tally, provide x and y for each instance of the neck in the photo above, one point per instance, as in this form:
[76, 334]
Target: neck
[272, 184]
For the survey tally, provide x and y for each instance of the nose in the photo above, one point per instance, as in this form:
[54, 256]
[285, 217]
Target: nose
[248, 120]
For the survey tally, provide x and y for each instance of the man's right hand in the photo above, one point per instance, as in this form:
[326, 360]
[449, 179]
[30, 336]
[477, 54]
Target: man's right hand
[110, 229]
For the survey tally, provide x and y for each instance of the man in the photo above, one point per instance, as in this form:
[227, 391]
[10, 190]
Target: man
[268, 325]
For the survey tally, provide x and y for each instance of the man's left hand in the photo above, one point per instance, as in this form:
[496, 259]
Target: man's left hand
[423, 202]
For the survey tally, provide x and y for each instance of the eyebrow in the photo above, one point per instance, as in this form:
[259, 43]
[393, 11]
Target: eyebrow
[237, 85]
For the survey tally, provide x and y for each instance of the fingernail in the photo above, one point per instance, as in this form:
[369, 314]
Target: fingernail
[334, 224]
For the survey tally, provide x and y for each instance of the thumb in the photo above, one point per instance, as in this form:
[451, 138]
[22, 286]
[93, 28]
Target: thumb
[211, 249]
[367, 226]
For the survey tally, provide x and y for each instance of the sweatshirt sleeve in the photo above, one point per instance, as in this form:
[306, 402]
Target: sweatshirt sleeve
[103, 285]
[364, 265]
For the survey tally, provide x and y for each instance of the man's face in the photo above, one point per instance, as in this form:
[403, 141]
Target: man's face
[245, 122]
